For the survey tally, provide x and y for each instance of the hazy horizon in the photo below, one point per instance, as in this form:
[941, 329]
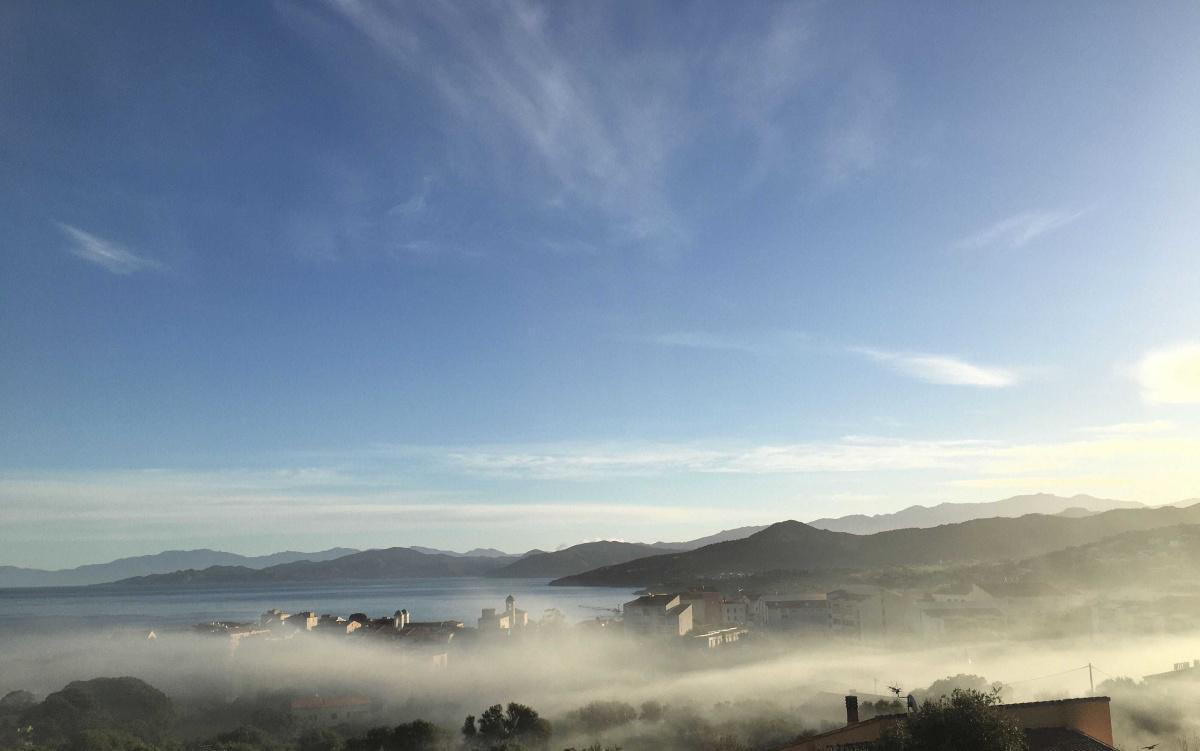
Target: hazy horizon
[59, 561]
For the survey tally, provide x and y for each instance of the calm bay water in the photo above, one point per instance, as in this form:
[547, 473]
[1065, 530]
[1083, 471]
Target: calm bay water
[66, 608]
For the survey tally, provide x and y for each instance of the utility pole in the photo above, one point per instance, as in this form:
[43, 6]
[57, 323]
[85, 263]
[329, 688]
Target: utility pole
[1091, 683]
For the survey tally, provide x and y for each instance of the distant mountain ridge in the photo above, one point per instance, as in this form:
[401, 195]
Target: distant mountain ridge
[473, 553]
[956, 513]
[367, 565]
[575, 559]
[158, 563]
[724, 535]
[795, 546]
[584, 558]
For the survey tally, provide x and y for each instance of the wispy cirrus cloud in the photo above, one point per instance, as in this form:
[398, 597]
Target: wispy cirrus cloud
[858, 133]
[579, 461]
[107, 254]
[1170, 375]
[1019, 230]
[589, 127]
[697, 340]
[942, 369]
[757, 342]
[597, 127]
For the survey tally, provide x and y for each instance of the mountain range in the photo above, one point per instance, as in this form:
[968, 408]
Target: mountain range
[954, 513]
[794, 546]
[366, 565]
[582, 559]
[142, 565]
[575, 559]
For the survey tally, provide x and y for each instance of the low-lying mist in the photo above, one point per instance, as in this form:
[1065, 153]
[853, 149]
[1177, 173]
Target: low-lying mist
[597, 686]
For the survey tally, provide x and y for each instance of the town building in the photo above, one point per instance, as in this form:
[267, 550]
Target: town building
[1063, 724]
[735, 611]
[707, 607]
[717, 637]
[503, 623]
[1182, 671]
[961, 594]
[810, 614]
[961, 623]
[869, 613]
[665, 615]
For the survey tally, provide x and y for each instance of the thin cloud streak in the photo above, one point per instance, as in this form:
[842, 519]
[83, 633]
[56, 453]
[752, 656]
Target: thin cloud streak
[942, 369]
[764, 342]
[109, 255]
[1019, 230]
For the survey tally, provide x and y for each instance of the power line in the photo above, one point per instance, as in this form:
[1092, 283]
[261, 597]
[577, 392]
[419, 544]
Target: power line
[1051, 675]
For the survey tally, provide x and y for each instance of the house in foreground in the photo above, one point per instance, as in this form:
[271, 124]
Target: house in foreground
[1060, 725]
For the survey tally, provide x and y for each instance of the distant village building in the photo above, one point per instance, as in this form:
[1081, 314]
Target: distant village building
[961, 594]
[811, 613]
[336, 624]
[735, 611]
[1063, 724]
[717, 637]
[707, 607]
[503, 623]
[1182, 671]
[665, 615]
[961, 623]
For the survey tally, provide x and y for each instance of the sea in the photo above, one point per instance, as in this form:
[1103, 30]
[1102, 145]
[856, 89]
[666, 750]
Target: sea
[56, 609]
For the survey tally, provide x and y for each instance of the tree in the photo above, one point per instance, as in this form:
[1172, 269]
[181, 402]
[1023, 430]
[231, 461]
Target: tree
[599, 716]
[652, 711]
[517, 723]
[468, 729]
[245, 738]
[320, 739]
[16, 701]
[128, 704]
[523, 722]
[417, 735]
[491, 723]
[965, 719]
[108, 739]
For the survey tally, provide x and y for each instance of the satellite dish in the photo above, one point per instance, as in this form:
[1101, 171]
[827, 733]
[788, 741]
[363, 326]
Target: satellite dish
[912, 703]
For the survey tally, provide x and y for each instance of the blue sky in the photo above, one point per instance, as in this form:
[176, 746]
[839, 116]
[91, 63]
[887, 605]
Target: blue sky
[302, 274]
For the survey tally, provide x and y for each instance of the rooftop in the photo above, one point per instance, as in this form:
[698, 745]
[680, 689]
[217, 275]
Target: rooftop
[651, 601]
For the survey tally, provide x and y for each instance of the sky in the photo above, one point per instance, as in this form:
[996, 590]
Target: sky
[302, 274]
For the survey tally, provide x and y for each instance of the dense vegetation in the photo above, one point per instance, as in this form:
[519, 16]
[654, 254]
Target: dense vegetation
[127, 714]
